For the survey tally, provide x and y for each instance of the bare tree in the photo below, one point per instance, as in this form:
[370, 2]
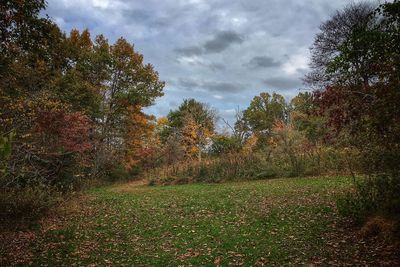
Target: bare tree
[334, 38]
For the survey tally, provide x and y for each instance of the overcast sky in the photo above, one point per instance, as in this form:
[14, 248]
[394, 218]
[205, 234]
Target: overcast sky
[220, 52]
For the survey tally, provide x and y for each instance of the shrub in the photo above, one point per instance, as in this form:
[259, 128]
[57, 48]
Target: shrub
[116, 173]
[120, 173]
[25, 204]
[214, 170]
[378, 194]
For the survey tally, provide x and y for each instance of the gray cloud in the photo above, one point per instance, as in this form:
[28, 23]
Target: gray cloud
[221, 52]
[187, 83]
[209, 86]
[189, 51]
[222, 87]
[283, 83]
[221, 41]
[263, 62]
[217, 66]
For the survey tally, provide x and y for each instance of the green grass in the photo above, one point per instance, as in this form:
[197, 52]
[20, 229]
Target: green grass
[275, 222]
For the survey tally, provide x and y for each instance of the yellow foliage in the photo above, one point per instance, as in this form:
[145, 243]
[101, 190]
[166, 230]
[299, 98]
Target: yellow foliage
[250, 144]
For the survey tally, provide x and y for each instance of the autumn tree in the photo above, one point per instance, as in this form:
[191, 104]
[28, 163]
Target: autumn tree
[141, 139]
[70, 99]
[361, 79]
[303, 116]
[262, 113]
[194, 123]
[224, 144]
[131, 83]
[111, 84]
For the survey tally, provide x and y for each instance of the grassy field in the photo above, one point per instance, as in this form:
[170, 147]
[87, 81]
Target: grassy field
[259, 223]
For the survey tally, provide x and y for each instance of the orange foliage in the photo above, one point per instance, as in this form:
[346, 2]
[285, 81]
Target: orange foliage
[140, 139]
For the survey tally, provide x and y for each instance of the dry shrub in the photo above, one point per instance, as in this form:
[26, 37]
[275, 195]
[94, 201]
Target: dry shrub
[212, 170]
[378, 226]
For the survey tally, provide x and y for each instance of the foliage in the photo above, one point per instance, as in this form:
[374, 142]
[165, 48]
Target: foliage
[366, 106]
[24, 205]
[356, 60]
[303, 115]
[5, 150]
[372, 195]
[75, 104]
[191, 125]
[224, 144]
[333, 39]
[214, 170]
[263, 111]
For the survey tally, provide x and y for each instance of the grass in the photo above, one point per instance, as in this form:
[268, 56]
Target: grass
[257, 223]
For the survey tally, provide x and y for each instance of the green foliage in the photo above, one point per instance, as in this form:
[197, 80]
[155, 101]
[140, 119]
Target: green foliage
[263, 111]
[304, 118]
[372, 195]
[200, 113]
[223, 144]
[117, 173]
[189, 127]
[120, 173]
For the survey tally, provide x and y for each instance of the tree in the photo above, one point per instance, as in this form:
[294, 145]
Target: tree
[70, 99]
[5, 150]
[224, 144]
[141, 142]
[31, 51]
[131, 83]
[290, 143]
[334, 38]
[263, 111]
[194, 122]
[362, 98]
[304, 118]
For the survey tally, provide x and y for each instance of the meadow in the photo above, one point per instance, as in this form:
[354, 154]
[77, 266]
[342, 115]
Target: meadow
[254, 223]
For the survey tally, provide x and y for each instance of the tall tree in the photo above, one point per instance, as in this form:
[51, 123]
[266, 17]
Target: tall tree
[363, 99]
[194, 122]
[334, 39]
[263, 111]
[304, 117]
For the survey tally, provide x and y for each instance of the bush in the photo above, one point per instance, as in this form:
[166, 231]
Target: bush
[25, 204]
[121, 173]
[377, 195]
[214, 170]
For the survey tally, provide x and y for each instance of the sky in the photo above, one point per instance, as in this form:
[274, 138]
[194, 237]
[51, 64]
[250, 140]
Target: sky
[220, 52]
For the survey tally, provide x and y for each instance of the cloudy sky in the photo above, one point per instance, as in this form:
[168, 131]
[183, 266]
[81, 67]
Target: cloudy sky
[222, 52]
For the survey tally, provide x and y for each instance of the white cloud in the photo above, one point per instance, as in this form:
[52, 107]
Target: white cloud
[296, 64]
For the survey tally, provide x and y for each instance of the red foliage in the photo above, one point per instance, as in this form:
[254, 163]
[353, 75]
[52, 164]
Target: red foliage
[67, 131]
[331, 101]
